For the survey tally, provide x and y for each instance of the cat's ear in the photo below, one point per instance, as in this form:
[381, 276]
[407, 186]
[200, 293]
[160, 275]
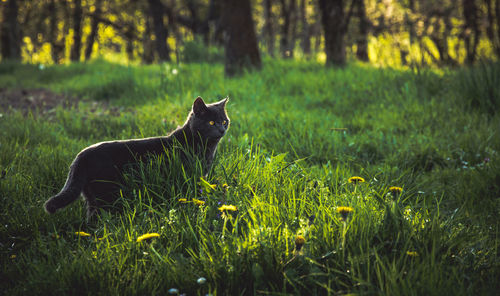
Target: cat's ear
[223, 103]
[199, 107]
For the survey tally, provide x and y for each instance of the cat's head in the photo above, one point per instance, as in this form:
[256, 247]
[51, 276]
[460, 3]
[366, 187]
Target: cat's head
[210, 121]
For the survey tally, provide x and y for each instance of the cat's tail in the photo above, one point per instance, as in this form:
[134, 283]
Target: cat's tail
[77, 178]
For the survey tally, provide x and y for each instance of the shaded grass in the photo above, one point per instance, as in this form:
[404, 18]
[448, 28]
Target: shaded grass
[298, 132]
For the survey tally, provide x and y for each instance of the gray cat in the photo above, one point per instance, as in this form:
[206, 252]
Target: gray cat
[98, 169]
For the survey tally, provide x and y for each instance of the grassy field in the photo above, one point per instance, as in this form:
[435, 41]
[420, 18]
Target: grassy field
[298, 133]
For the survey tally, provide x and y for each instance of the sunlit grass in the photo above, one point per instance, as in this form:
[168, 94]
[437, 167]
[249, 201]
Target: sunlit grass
[284, 209]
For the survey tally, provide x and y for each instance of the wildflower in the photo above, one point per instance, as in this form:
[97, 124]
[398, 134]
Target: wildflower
[228, 208]
[395, 190]
[147, 236]
[198, 202]
[356, 180]
[13, 256]
[299, 242]
[206, 186]
[173, 291]
[81, 233]
[183, 200]
[344, 212]
[201, 281]
[412, 253]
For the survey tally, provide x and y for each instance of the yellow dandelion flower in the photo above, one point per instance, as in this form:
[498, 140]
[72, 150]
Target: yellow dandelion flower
[356, 180]
[206, 186]
[183, 200]
[344, 212]
[412, 253]
[299, 242]
[147, 236]
[395, 190]
[81, 233]
[198, 202]
[228, 208]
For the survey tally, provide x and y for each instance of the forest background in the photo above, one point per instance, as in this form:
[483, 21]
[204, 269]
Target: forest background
[384, 32]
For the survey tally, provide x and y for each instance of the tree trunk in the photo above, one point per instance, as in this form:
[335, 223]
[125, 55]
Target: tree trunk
[288, 11]
[156, 10]
[268, 27]
[148, 52]
[334, 26]
[214, 22]
[240, 41]
[94, 28]
[53, 32]
[471, 29]
[10, 33]
[77, 31]
[409, 21]
[129, 35]
[497, 15]
[491, 22]
[362, 40]
[439, 36]
[293, 29]
[199, 26]
[305, 41]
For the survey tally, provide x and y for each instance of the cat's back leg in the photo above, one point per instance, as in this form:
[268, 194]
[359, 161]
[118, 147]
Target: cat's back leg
[90, 202]
[100, 194]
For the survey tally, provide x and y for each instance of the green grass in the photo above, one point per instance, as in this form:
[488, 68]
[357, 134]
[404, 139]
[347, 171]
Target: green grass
[298, 132]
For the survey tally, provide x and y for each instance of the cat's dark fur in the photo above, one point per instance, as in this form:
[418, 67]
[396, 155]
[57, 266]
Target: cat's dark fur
[97, 170]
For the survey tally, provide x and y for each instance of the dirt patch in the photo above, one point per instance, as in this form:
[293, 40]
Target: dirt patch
[33, 100]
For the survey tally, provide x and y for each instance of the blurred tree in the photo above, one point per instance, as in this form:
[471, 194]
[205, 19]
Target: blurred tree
[305, 40]
[198, 26]
[335, 23]
[490, 26]
[497, 15]
[471, 29]
[147, 44]
[409, 21]
[268, 29]
[288, 13]
[316, 30]
[94, 26]
[419, 30]
[56, 40]
[362, 39]
[157, 10]
[441, 30]
[240, 41]
[77, 31]
[10, 32]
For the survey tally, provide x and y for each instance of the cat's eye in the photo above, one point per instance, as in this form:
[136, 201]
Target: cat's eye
[224, 122]
[211, 122]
